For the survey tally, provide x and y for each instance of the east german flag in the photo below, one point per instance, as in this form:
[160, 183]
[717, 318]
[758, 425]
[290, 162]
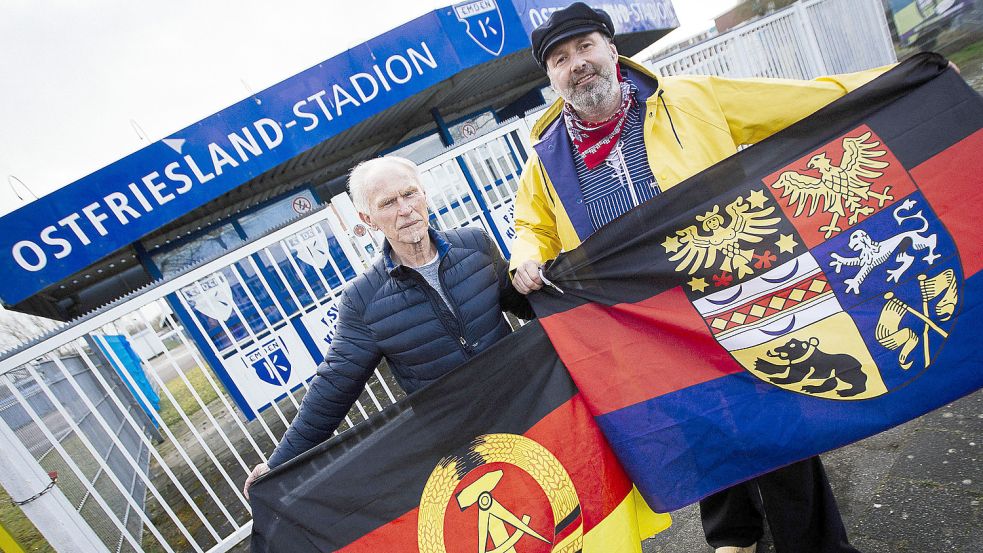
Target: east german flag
[810, 291]
[502, 454]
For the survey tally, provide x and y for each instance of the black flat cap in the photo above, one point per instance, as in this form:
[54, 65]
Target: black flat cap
[576, 19]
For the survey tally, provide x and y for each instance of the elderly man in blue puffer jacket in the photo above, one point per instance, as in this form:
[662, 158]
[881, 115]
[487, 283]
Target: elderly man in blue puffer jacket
[431, 301]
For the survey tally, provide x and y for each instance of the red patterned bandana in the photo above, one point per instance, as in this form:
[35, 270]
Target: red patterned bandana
[594, 141]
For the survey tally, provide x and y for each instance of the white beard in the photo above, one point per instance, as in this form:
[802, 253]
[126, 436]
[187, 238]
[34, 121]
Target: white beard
[592, 98]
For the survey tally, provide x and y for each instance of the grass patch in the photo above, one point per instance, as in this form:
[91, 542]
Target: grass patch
[184, 397]
[968, 55]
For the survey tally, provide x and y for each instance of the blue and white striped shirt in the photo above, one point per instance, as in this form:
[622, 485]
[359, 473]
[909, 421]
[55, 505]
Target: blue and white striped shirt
[624, 180]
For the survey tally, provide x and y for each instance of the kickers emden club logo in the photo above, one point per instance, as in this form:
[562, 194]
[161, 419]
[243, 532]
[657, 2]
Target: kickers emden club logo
[505, 493]
[483, 23]
[833, 277]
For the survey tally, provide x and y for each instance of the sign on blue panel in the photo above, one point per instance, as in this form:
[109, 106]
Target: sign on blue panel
[628, 16]
[264, 321]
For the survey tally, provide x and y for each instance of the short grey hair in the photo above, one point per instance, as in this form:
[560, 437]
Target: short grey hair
[358, 178]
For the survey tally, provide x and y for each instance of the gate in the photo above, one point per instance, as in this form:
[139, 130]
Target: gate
[471, 184]
[476, 183]
[134, 477]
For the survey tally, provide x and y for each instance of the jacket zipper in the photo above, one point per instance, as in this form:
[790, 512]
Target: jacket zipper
[436, 301]
[624, 170]
[668, 116]
[462, 339]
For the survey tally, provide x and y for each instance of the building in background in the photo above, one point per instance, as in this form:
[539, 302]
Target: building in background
[747, 11]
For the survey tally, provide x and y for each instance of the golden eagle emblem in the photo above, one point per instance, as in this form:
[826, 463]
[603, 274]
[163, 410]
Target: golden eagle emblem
[842, 189]
[696, 250]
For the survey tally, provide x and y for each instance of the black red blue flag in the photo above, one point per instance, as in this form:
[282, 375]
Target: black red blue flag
[810, 291]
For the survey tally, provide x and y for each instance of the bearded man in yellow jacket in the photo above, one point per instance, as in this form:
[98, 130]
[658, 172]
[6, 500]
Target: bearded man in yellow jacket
[619, 136]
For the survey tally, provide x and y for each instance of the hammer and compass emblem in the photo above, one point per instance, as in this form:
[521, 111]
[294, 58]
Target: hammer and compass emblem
[492, 516]
[498, 461]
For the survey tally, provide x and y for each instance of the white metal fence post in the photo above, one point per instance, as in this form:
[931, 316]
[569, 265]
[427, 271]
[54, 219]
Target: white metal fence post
[809, 35]
[51, 513]
[886, 43]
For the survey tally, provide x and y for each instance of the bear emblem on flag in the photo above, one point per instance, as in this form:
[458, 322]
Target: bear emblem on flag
[846, 302]
[800, 359]
[788, 328]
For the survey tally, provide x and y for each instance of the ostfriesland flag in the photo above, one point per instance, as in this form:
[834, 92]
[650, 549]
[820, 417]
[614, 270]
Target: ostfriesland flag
[812, 290]
[501, 454]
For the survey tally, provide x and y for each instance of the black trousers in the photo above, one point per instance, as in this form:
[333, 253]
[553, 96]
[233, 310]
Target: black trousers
[798, 503]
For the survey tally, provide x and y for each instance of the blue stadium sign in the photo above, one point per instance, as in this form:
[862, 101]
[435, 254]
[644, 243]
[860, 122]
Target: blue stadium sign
[68, 230]
[628, 17]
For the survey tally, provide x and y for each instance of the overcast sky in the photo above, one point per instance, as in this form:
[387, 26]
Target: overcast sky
[82, 81]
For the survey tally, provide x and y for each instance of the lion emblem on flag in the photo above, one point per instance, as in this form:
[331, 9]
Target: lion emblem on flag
[871, 253]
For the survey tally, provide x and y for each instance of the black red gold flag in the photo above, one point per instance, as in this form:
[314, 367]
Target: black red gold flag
[502, 450]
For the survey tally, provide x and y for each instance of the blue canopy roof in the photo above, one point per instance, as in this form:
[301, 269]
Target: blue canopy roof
[74, 227]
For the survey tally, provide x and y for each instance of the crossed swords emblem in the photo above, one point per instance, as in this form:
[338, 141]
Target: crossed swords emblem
[492, 516]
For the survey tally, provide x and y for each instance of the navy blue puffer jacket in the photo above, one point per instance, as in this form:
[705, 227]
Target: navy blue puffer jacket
[390, 311]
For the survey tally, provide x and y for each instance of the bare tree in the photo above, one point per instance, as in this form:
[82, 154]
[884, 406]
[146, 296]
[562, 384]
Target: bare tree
[17, 328]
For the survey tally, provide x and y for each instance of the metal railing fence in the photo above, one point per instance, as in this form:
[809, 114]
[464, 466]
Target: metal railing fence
[803, 41]
[475, 183]
[167, 479]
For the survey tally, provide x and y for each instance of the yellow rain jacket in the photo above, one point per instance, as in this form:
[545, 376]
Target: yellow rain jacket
[691, 123]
